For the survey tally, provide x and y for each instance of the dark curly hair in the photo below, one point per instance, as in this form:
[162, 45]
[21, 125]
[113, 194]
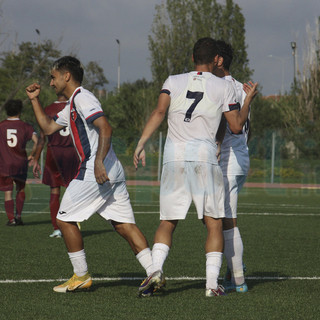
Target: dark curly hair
[226, 52]
[13, 107]
[70, 64]
[204, 51]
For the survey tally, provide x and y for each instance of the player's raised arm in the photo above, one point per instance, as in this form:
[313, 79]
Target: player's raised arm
[236, 119]
[46, 124]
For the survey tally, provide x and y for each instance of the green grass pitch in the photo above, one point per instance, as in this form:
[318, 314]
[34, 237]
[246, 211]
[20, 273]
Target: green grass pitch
[280, 231]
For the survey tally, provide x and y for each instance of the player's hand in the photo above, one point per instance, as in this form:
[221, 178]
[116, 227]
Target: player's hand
[36, 170]
[138, 155]
[250, 89]
[100, 172]
[33, 91]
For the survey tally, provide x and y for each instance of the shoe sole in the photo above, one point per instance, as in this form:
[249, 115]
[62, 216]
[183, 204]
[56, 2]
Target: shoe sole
[154, 284]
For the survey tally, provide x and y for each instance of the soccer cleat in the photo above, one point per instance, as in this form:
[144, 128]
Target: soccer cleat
[11, 223]
[151, 284]
[19, 222]
[56, 234]
[146, 293]
[242, 288]
[215, 292]
[75, 283]
[230, 286]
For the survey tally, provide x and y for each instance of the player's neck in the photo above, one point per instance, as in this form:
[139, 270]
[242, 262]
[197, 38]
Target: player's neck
[14, 117]
[203, 68]
[68, 92]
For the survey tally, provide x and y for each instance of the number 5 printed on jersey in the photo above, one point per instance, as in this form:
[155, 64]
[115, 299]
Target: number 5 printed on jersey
[12, 139]
[197, 96]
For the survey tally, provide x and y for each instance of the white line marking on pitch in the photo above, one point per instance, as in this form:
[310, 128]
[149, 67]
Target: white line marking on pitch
[140, 278]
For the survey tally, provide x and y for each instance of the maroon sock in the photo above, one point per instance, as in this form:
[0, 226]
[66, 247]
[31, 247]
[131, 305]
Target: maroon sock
[9, 207]
[19, 203]
[54, 207]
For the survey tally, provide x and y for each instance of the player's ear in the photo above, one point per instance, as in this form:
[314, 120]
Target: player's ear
[219, 61]
[67, 76]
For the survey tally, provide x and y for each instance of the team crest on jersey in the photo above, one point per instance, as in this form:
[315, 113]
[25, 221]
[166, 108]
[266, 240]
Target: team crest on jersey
[73, 115]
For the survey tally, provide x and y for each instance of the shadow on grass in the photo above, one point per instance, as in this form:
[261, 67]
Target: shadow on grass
[35, 223]
[89, 233]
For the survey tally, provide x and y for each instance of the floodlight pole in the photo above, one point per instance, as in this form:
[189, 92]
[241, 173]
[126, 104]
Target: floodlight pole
[294, 47]
[118, 41]
[273, 155]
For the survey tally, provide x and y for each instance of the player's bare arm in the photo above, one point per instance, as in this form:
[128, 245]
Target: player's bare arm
[34, 139]
[105, 133]
[36, 166]
[236, 119]
[156, 118]
[46, 124]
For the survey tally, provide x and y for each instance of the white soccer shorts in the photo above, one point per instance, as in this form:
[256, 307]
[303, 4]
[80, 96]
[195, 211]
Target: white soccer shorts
[84, 198]
[184, 182]
[233, 185]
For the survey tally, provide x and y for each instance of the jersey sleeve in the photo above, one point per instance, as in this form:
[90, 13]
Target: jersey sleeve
[230, 99]
[61, 117]
[174, 85]
[166, 87]
[89, 106]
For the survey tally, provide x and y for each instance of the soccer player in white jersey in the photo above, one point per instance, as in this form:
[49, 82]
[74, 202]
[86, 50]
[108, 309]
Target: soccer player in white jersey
[195, 102]
[234, 162]
[100, 184]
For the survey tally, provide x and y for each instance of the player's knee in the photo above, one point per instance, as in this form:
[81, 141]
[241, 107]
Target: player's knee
[123, 228]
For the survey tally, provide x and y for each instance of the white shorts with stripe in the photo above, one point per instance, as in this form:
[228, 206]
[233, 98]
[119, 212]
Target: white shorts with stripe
[84, 198]
[233, 185]
[187, 181]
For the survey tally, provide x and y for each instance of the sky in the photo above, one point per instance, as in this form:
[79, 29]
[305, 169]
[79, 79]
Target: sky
[90, 29]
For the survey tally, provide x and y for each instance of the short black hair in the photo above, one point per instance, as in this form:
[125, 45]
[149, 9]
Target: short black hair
[226, 52]
[204, 51]
[70, 64]
[13, 107]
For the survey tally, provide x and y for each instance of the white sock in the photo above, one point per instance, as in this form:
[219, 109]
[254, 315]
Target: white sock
[160, 252]
[213, 265]
[233, 251]
[145, 259]
[79, 262]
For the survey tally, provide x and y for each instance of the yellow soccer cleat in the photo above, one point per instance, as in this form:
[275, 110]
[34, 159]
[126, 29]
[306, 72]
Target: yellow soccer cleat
[75, 283]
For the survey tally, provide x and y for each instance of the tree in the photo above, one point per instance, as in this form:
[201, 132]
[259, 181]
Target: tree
[94, 77]
[129, 110]
[301, 110]
[179, 23]
[30, 63]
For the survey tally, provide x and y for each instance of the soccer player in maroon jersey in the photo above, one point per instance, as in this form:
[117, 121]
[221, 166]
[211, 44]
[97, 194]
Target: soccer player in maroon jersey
[14, 135]
[62, 162]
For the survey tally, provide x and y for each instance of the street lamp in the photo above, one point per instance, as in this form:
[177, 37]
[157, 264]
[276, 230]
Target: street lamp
[38, 33]
[118, 42]
[294, 47]
[282, 77]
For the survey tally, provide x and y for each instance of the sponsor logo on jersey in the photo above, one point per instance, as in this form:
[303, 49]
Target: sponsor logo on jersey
[73, 114]
[62, 212]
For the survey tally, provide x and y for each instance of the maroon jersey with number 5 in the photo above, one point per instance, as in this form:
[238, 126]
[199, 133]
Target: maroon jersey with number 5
[14, 135]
